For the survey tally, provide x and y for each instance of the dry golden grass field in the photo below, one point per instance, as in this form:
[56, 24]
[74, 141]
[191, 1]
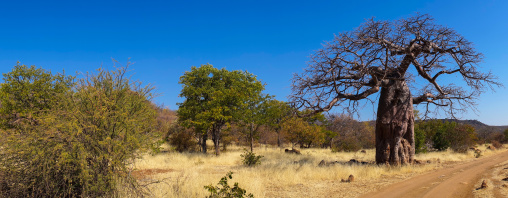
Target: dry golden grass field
[173, 174]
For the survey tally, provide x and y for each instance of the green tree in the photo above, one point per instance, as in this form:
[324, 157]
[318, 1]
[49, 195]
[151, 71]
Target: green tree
[253, 115]
[276, 113]
[214, 97]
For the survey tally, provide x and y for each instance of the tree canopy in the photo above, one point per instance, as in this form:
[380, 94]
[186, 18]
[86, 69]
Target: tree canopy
[215, 97]
[358, 63]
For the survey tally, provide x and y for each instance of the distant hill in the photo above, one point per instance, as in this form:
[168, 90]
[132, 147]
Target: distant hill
[474, 123]
[478, 125]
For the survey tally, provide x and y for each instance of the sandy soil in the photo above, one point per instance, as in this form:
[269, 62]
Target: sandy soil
[457, 180]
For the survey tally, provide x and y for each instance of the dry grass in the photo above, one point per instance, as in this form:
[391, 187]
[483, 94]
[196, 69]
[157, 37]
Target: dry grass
[171, 174]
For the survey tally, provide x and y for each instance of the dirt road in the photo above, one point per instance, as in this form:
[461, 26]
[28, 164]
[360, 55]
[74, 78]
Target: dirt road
[459, 180]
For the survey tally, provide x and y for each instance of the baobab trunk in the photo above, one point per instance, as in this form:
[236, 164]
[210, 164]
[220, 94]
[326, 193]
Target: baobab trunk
[395, 125]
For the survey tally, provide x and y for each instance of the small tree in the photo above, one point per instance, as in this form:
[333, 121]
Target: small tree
[276, 113]
[252, 116]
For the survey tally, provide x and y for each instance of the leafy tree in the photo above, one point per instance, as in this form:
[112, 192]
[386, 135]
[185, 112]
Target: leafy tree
[213, 98]
[253, 115]
[276, 113]
[299, 131]
[375, 58]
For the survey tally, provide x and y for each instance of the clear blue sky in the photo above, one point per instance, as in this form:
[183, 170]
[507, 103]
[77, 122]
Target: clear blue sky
[271, 39]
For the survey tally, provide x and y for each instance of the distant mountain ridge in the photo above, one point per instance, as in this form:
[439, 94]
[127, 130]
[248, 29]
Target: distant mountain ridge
[474, 123]
[478, 125]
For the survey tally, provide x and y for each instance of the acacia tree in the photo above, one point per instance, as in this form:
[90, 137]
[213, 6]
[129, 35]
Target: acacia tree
[376, 57]
[213, 98]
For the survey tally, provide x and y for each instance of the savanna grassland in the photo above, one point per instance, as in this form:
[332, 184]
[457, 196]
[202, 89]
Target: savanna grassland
[173, 174]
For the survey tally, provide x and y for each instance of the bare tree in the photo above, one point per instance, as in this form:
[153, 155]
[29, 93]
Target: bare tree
[376, 57]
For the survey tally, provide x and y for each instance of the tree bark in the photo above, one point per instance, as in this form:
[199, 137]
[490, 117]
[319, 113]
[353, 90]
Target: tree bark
[204, 137]
[395, 125]
[279, 141]
[251, 138]
[216, 129]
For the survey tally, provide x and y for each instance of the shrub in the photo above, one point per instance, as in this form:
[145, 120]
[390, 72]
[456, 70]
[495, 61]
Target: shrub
[250, 158]
[351, 134]
[420, 146]
[496, 144]
[225, 191]
[183, 139]
[347, 144]
[80, 145]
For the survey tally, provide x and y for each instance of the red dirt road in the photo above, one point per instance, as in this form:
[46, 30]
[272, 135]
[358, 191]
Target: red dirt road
[455, 181]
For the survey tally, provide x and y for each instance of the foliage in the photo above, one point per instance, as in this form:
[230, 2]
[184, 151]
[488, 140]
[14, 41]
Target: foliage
[299, 131]
[253, 116]
[443, 135]
[251, 159]
[28, 93]
[83, 143]
[225, 191]
[351, 134]
[420, 146]
[276, 113]
[214, 97]
[496, 144]
[183, 139]
[462, 137]
[440, 142]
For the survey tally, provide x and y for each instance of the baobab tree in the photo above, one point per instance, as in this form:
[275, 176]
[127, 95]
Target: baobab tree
[377, 57]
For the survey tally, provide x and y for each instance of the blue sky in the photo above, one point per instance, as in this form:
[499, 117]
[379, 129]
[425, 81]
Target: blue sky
[271, 39]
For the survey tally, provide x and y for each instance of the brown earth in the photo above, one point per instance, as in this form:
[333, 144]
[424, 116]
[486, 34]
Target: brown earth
[457, 180]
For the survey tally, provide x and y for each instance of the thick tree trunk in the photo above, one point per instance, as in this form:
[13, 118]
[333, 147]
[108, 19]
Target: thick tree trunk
[395, 125]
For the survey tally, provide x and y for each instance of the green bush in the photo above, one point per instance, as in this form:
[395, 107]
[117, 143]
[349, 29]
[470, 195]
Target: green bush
[225, 191]
[420, 146]
[250, 158]
[79, 140]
